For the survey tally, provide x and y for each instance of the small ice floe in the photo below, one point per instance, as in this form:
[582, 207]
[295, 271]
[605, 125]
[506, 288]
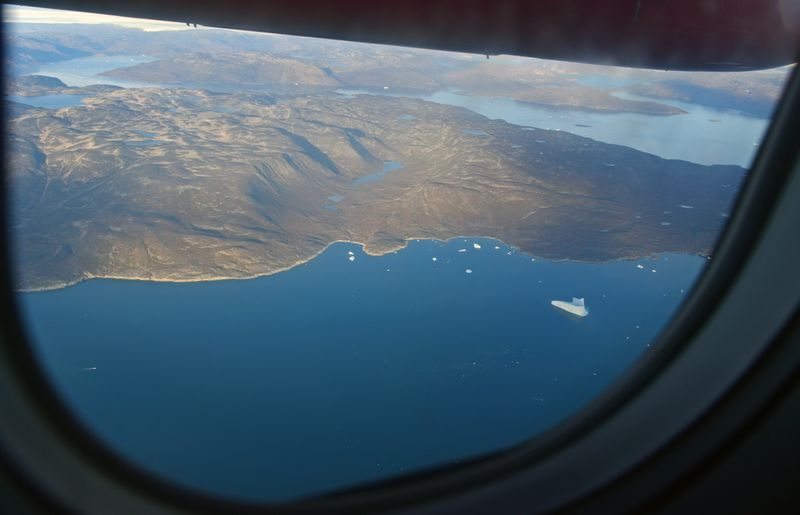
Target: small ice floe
[509, 252]
[476, 246]
[640, 267]
[349, 252]
[388, 269]
[576, 307]
[496, 247]
[433, 259]
[609, 164]
[352, 258]
[89, 369]
[462, 250]
[386, 87]
[667, 212]
[653, 270]
[468, 270]
[665, 224]
[685, 206]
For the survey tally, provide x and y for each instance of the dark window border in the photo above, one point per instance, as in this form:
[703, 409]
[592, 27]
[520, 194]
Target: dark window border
[25, 390]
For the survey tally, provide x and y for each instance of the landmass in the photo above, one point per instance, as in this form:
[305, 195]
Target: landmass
[547, 85]
[175, 184]
[37, 85]
[754, 93]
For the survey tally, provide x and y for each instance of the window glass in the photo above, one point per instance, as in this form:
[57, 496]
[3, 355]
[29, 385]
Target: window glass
[268, 267]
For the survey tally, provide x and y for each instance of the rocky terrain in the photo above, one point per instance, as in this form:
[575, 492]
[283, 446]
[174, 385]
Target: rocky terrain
[754, 93]
[186, 185]
[241, 69]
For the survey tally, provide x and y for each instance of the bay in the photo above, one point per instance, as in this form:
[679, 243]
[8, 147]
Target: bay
[341, 371]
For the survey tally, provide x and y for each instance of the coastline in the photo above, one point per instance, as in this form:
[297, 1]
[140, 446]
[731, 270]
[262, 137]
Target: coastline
[364, 248]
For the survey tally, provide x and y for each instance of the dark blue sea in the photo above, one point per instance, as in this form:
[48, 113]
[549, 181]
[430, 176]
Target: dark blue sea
[338, 371]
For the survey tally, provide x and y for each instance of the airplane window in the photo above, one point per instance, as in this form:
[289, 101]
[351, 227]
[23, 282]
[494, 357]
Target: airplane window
[268, 267]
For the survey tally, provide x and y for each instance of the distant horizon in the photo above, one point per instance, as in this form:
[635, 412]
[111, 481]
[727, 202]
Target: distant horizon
[24, 14]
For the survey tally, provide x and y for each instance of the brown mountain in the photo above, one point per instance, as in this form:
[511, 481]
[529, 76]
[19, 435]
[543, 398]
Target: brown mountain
[239, 68]
[175, 184]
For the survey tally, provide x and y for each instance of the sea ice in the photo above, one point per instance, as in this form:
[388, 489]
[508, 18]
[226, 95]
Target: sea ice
[576, 307]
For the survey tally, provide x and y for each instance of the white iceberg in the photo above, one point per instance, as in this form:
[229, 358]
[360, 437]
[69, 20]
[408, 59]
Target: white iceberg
[349, 252]
[476, 245]
[352, 258]
[433, 259]
[640, 267]
[468, 270]
[496, 247]
[576, 307]
[462, 250]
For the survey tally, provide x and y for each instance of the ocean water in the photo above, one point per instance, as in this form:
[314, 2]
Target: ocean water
[83, 71]
[337, 371]
[56, 101]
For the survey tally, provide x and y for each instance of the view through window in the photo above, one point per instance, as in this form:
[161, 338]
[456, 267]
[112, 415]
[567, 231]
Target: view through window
[268, 266]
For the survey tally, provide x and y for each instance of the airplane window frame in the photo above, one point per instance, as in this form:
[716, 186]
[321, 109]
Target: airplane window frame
[47, 445]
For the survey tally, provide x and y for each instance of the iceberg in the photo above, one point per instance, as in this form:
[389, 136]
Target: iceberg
[462, 250]
[352, 258]
[476, 245]
[576, 307]
[433, 259]
[468, 270]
